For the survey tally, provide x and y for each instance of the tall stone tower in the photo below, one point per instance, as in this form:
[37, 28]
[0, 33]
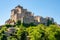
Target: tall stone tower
[15, 13]
[19, 13]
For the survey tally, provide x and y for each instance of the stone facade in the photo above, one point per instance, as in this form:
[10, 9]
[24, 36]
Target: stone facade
[25, 16]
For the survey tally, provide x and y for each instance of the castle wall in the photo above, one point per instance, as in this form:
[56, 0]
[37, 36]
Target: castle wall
[27, 17]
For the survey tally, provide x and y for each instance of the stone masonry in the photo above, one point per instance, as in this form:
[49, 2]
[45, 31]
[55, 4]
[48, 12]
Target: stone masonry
[25, 16]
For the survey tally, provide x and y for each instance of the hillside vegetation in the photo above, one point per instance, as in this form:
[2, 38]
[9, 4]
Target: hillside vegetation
[29, 32]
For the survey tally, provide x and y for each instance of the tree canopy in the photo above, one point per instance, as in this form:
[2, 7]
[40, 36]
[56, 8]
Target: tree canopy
[39, 32]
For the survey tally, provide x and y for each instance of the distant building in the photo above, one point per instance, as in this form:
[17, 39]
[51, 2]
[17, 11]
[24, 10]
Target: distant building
[19, 13]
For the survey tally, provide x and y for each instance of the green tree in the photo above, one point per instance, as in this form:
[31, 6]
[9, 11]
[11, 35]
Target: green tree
[18, 23]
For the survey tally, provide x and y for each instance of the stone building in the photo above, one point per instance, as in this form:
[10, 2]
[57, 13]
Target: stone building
[25, 16]
[19, 13]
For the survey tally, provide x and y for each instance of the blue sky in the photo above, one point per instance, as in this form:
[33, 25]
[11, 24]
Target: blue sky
[43, 8]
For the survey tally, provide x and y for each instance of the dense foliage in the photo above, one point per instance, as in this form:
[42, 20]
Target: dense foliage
[21, 32]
